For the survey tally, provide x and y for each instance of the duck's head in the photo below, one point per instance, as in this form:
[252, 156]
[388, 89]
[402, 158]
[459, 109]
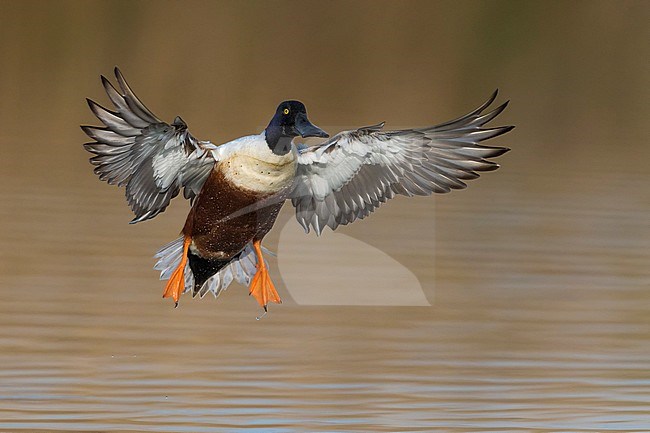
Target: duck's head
[290, 120]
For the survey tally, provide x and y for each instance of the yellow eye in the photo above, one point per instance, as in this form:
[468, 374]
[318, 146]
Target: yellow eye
[286, 111]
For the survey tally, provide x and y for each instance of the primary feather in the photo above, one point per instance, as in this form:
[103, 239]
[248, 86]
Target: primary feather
[350, 175]
[136, 149]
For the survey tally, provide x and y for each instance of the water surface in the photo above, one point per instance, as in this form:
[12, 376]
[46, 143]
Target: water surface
[539, 323]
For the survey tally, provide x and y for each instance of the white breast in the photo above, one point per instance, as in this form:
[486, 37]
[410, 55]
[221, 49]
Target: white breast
[248, 163]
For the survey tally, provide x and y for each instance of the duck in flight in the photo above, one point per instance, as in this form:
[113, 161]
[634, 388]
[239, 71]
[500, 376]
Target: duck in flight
[236, 189]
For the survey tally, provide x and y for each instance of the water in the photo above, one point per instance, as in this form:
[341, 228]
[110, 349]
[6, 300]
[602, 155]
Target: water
[539, 323]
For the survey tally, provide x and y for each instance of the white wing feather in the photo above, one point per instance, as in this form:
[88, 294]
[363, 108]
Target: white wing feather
[350, 175]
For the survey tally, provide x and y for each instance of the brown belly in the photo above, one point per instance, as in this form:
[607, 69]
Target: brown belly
[215, 233]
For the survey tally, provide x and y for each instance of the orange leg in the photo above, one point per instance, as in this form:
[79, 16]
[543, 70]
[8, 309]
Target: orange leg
[176, 283]
[262, 287]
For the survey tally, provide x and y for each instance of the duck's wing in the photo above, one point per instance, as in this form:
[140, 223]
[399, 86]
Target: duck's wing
[152, 158]
[350, 175]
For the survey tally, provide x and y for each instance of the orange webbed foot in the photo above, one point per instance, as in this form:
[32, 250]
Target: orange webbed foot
[176, 284]
[261, 287]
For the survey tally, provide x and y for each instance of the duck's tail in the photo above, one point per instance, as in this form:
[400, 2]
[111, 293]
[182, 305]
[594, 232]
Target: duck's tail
[211, 277]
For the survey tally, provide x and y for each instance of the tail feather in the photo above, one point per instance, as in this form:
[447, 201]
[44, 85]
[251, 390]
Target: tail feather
[169, 256]
[203, 269]
[242, 269]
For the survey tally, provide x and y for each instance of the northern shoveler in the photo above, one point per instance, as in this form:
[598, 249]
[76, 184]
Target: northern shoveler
[236, 189]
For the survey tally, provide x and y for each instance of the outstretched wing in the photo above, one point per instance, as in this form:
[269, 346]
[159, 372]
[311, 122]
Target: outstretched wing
[350, 175]
[152, 158]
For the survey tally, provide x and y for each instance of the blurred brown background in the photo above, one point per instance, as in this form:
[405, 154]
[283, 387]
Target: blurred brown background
[539, 317]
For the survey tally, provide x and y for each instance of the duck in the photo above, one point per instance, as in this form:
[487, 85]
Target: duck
[236, 189]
